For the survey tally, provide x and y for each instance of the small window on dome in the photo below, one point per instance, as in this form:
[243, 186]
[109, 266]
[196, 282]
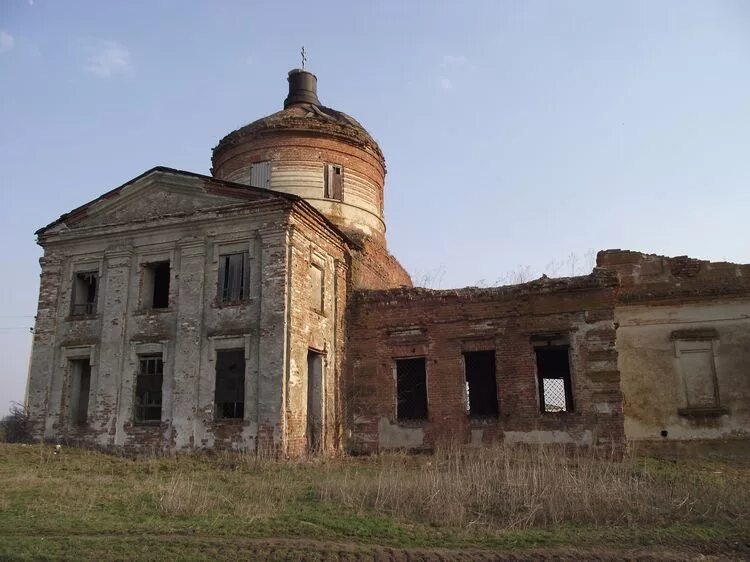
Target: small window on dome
[334, 182]
[260, 174]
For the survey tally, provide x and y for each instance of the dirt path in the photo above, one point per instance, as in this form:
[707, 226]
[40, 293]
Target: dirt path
[202, 547]
[289, 549]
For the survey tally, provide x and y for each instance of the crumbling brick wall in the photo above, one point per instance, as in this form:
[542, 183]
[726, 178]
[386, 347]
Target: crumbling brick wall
[373, 267]
[441, 325]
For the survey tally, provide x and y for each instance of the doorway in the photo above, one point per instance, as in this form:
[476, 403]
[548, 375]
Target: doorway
[314, 402]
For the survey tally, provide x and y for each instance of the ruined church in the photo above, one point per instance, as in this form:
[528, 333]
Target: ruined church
[258, 308]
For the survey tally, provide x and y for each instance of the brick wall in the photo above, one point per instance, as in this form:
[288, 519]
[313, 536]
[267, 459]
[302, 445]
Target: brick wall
[373, 267]
[441, 325]
[652, 278]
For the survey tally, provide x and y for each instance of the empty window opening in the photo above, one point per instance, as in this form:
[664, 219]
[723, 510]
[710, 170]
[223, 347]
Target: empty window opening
[411, 389]
[481, 385]
[553, 371]
[696, 362]
[84, 293]
[148, 388]
[260, 174]
[230, 384]
[233, 277]
[334, 182]
[314, 401]
[156, 285]
[316, 288]
[80, 387]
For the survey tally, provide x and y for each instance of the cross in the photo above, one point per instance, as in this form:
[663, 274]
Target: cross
[304, 58]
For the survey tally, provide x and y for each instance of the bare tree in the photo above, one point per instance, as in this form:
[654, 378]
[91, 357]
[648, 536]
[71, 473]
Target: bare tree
[574, 264]
[430, 279]
[14, 428]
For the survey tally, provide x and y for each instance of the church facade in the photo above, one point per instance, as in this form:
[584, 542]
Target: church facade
[258, 308]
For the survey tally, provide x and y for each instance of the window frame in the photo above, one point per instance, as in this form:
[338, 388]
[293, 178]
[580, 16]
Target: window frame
[223, 273]
[91, 306]
[700, 342]
[148, 289]
[252, 171]
[425, 414]
[496, 410]
[329, 188]
[139, 409]
[217, 410]
[76, 367]
[567, 379]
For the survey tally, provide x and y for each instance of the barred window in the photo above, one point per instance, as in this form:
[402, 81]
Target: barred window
[230, 384]
[148, 388]
[553, 372]
[411, 389]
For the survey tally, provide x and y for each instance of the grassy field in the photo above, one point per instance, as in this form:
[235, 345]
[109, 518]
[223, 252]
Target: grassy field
[452, 505]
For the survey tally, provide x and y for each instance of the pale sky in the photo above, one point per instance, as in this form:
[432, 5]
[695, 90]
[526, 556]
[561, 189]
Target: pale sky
[516, 132]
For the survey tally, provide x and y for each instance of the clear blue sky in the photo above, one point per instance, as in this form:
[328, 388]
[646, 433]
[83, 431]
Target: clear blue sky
[515, 132]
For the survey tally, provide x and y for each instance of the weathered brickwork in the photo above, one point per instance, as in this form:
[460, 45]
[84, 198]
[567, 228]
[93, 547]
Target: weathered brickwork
[118, 245]
[283, 324]
[298, 144]
[441, 325]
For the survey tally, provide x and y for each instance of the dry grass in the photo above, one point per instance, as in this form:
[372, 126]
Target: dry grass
[537, 487]
[56, 505]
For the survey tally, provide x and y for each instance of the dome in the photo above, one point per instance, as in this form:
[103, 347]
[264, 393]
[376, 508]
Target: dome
[306, 117]
[320, 154]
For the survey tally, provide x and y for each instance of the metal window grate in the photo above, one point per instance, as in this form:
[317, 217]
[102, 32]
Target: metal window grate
[553, 371]
[554, 395]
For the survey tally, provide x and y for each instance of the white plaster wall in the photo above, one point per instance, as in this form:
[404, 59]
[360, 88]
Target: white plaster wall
[650, 376]
[184, 329]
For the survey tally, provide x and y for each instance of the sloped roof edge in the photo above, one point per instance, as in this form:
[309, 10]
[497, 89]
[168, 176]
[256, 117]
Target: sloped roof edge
[173, 171]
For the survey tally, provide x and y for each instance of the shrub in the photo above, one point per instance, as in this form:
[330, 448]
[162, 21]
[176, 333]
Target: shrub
[15, 427]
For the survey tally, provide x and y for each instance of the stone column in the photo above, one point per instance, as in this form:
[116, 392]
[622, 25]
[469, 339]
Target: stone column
[273, 334]
[186, 378]
[42, 362]
[106, 384]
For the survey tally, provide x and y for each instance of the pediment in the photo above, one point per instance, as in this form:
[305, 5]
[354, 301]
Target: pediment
[157, 194]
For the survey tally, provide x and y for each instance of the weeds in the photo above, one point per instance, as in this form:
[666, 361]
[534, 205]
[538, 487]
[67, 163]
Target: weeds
[456, 497]
[519, 487]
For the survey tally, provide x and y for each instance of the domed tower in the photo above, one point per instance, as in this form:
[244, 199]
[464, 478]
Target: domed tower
[318, 153]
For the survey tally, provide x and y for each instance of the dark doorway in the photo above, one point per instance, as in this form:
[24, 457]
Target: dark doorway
[314, 401]
[80, 385]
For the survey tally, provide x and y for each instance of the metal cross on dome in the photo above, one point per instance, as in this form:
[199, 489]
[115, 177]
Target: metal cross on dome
[304, 57]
